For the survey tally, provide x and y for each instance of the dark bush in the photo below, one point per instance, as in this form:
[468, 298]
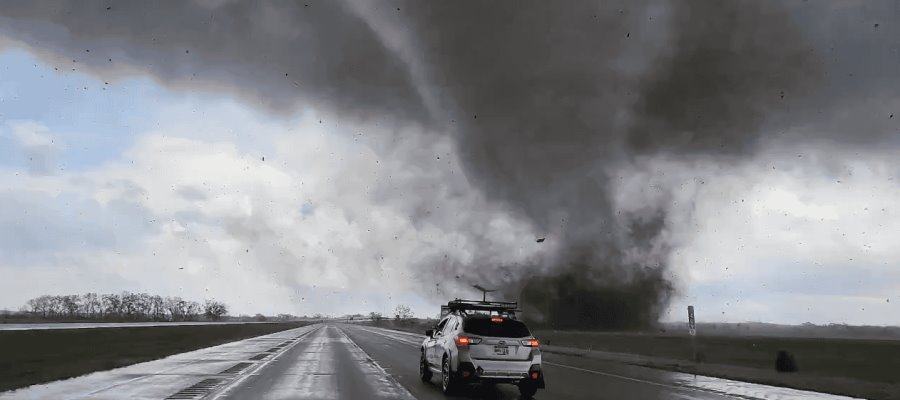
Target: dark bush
[785, 362]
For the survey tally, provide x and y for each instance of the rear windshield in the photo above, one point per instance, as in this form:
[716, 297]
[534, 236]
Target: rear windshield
[484, 327]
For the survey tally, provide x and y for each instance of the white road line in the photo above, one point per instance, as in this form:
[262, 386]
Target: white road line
[627, 378]
[313, 374]
[385, 383]
[390, 336]
[219, 393]
[724, 387]
[155, 374]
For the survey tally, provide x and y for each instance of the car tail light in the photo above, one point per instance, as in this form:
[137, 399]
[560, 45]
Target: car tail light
[463, 341]
[535, 372]
[497, 320]
[531, 343]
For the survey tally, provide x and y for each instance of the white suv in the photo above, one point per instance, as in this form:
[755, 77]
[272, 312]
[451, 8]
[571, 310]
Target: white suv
[480, 341]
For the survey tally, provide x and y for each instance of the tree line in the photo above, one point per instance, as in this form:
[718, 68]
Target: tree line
[125, 306]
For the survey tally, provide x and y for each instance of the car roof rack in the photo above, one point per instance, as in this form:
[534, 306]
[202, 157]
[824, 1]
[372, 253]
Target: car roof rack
[507, 308]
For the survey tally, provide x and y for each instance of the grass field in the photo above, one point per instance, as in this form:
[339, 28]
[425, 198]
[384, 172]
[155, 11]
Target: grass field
[37, 356]
[870, 360]
[856, 367]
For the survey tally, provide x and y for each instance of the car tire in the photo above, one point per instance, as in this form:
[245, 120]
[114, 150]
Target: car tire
[527, 390]
[448, 380]
[424, 369]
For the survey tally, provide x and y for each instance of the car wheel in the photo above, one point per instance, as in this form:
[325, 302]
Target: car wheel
[424, 369]
[527, 390]
[448, 381]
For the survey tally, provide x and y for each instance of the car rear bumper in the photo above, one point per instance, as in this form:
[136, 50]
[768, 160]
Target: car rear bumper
[501, 371]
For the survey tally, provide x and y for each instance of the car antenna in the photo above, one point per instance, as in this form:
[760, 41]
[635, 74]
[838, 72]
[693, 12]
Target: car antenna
[484, 292]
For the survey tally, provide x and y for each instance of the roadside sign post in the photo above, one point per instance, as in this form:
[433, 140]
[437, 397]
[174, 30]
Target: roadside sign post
[692, 329]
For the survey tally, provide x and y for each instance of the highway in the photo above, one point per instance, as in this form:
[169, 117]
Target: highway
[345, 361]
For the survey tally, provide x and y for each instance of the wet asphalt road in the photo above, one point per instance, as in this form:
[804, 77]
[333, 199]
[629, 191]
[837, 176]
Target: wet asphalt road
[344, 361]
[354, 362]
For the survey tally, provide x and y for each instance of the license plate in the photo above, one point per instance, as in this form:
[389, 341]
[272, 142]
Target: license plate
[501, 350]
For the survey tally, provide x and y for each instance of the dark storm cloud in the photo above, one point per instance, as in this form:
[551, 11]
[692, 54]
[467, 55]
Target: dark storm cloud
[544, 103]
[547, 101]
[274, 55]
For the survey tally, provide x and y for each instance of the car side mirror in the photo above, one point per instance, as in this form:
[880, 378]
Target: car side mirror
[429, 333]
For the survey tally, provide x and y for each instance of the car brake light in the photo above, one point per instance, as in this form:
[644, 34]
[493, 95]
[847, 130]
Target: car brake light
[535, 375]
[463, 341]
[531, 342]
[497, 320]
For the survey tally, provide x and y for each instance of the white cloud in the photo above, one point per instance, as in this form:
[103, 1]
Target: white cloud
[304, 217]
[787, 239]
[39, 147]
[31, 134]
[271, 216]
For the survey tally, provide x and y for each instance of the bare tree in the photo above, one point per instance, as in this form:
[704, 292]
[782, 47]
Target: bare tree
[192, 310]
[112, 305]
[286, 317]
[126, 305]
[90, 305]
[70, 305]
[41, 305]
[157, 308]
[142, 306]
[131, 305]
[174, 307]
[375, 316]
[214, 310]
[402, 312]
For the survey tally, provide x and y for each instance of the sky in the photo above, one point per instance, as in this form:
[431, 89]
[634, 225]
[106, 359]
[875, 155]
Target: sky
[119, 179]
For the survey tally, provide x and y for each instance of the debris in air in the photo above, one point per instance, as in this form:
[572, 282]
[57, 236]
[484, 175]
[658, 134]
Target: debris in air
[541, 240]
[264, 158]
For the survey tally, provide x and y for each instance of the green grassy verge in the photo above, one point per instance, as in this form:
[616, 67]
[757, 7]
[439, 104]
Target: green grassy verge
[39, 356]
[868, 360]
[855, 367]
